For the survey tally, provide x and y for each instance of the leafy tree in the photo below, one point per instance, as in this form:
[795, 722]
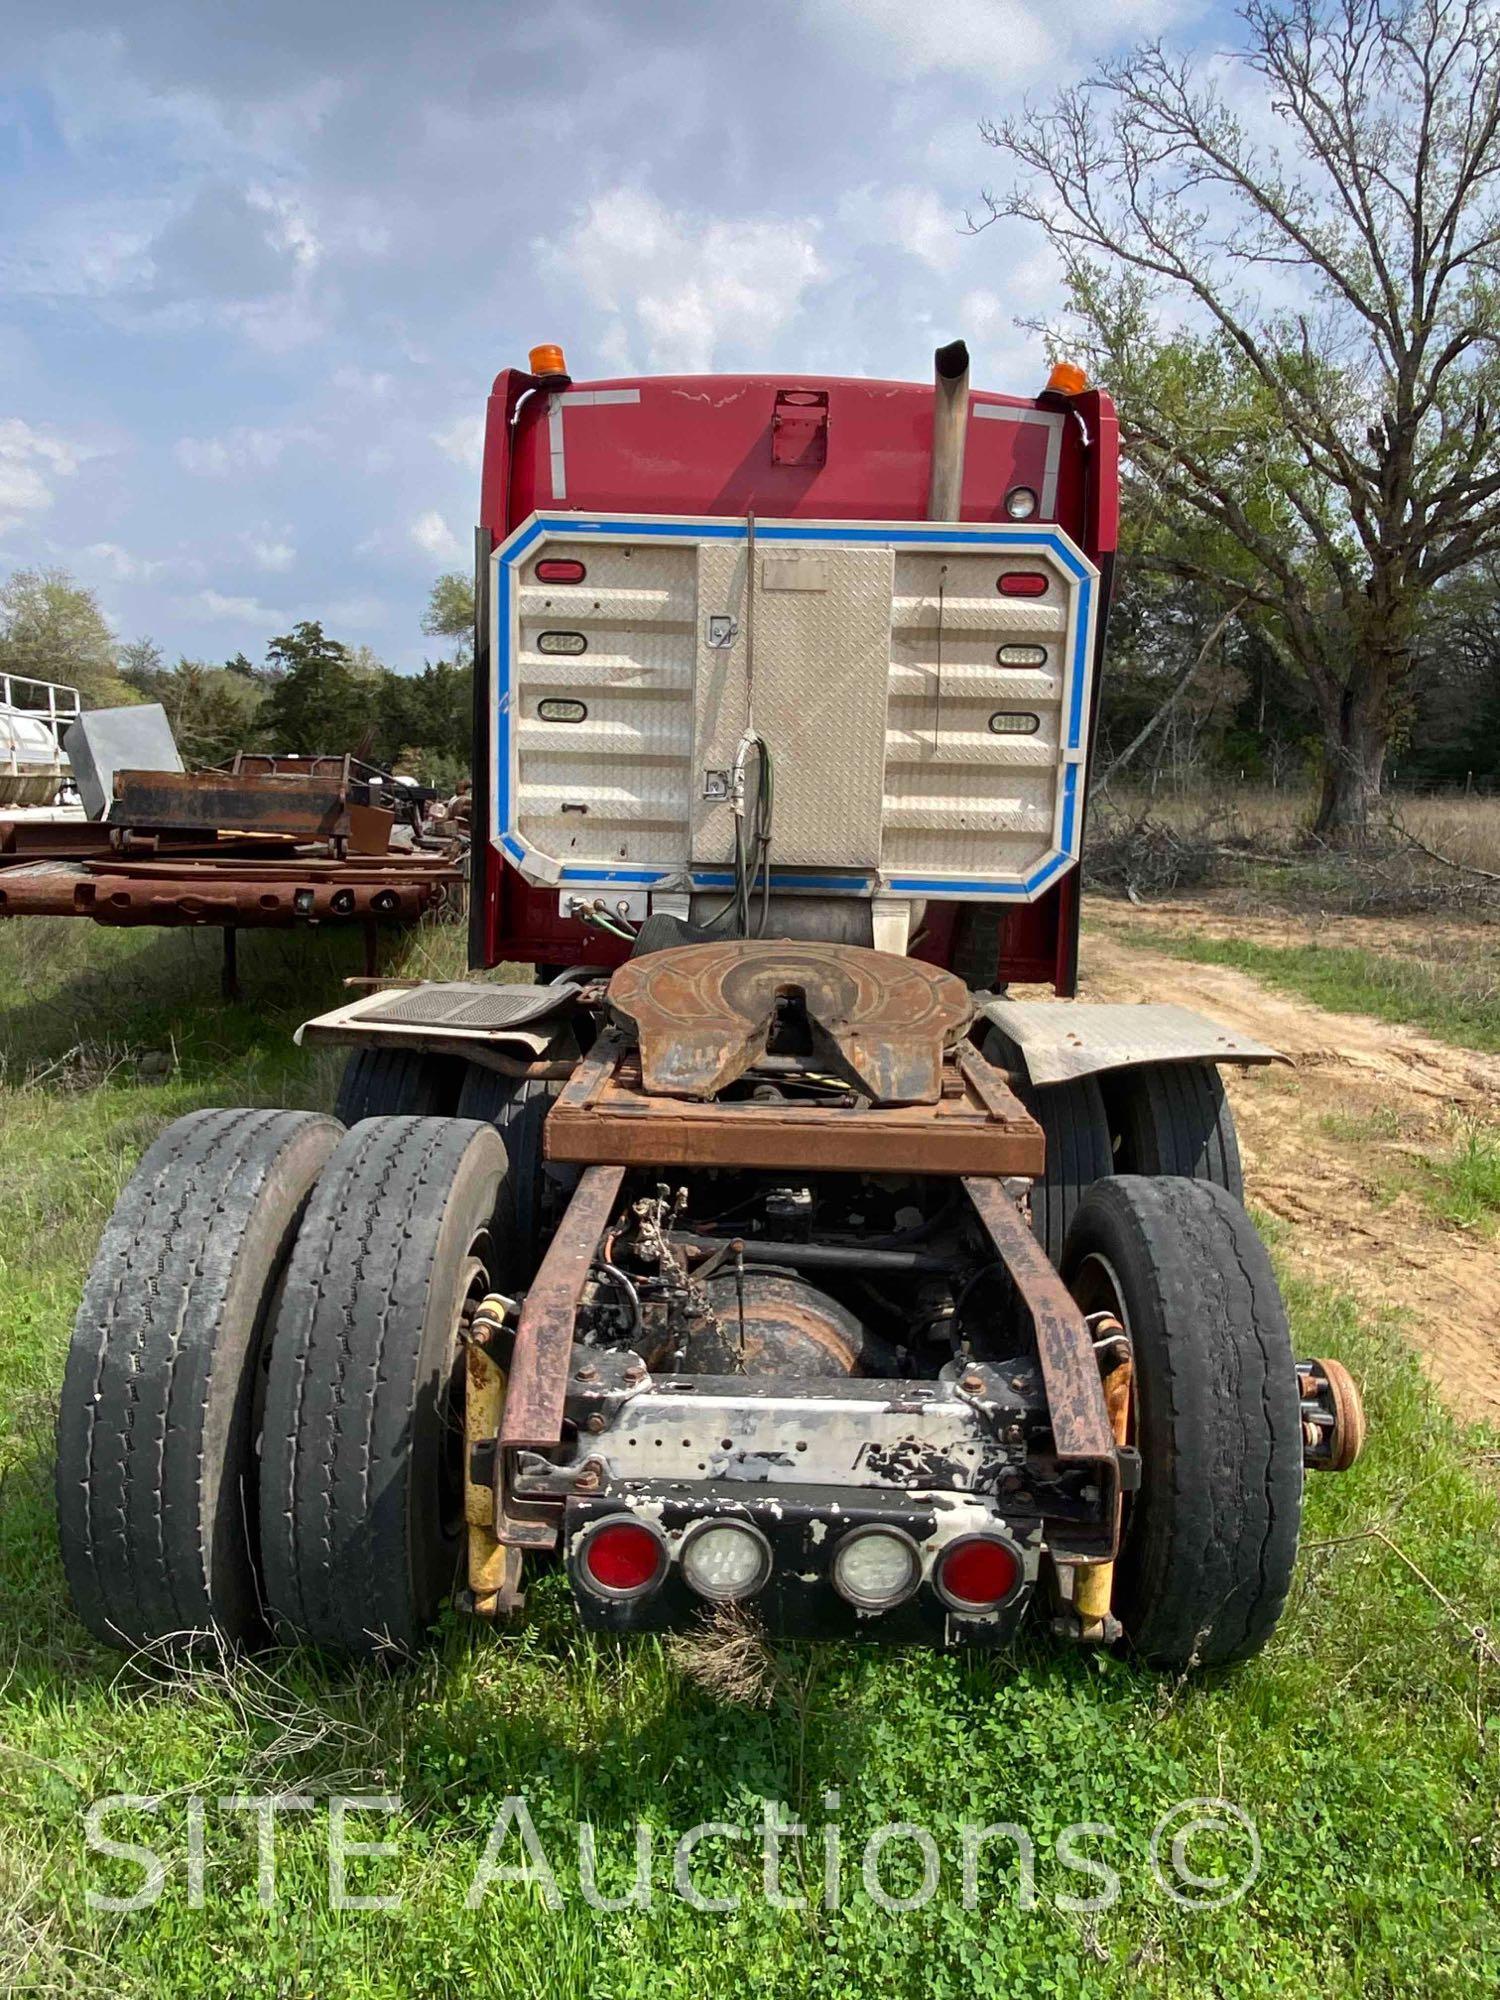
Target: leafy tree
[450, 611]
[1304, 339]
[139, 660]
[51, 629]
[318, 704]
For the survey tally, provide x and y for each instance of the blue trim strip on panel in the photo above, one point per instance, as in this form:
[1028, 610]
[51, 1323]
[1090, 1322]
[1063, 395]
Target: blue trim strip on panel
[510, 553]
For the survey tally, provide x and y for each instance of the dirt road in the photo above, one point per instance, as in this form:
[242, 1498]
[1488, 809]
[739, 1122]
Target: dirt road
[1324, 1140]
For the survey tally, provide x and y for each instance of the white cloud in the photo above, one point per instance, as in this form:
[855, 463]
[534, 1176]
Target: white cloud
[989, 41]
[685, 285]
[912, 219]
[215, 606]
[435, 538]
[463, 440]
[968, 35]
[30, 460]
[371, 383]
[243, 449]
[120, 565]
[269, 548]
[360, 613]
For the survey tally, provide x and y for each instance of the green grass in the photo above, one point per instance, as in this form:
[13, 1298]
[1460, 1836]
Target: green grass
[1463, 1187]
[1363, 1742]
[1456, 999]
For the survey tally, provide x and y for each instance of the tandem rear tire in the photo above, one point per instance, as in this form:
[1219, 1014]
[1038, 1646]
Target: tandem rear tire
[1079, 1150]
[156, 1471]
[361, 1490]
[1210, 1539]
[393, 1083]
[1174, 1118]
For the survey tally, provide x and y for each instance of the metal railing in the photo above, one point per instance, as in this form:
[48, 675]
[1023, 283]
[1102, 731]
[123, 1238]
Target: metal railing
[59, 705]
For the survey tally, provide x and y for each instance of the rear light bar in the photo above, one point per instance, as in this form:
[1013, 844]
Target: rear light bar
[978, 1572]
[620, 1556]
[725, 1561]
[875, 1568]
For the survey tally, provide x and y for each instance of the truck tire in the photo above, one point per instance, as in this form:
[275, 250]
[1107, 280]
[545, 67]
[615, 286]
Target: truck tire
[1079, 1151]
[361, 1490]
[1174, 1118]
[517, 1107]
[156, 1501]
[394, 1083]
[1210, 1539]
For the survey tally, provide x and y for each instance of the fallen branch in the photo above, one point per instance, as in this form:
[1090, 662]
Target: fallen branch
[1482, 1641]
[1447, 861]
[1145, 733]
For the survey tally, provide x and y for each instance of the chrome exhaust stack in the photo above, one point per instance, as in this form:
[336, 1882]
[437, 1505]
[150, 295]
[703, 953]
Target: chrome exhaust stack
[950, 418]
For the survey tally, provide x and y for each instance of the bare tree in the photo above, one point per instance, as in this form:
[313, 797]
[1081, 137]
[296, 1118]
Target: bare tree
[1286, 264]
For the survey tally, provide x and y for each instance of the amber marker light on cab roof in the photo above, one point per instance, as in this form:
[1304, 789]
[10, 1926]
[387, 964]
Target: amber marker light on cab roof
[1067, 379]
[546, 360]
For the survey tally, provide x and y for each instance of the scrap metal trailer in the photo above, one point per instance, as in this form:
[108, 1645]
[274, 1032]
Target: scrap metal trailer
[768, 1249]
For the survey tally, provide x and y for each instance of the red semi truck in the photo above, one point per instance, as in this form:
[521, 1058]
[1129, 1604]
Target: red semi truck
[765, 1249]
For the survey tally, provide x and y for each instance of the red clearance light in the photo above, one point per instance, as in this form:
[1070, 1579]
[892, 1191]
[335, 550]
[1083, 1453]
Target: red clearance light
[977, 1572]
[1022, 583]
[560, 569]
[622, 1558]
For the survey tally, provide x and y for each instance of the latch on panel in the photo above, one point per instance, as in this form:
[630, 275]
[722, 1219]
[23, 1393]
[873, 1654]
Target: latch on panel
[799, 427]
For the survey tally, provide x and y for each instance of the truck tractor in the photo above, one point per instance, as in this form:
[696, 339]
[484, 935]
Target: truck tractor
[791, 1244]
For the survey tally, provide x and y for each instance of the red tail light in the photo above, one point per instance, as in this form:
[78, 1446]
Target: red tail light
[563, 569]
[621, 1558]
[1022, 583]
[977, 1572]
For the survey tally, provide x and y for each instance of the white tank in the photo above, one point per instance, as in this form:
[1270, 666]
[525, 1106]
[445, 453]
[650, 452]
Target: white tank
[32, 763]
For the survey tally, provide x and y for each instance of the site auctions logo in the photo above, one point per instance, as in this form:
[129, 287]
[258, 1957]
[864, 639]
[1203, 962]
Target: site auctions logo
[986, 1861]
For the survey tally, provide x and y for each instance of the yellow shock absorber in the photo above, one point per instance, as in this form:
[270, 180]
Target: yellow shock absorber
[494, 1571]
[1094, 1590]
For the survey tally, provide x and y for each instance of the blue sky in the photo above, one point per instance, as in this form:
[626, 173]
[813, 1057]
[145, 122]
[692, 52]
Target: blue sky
[258, 265]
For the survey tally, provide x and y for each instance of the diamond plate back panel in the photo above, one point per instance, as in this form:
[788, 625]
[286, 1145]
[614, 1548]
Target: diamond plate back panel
[925, 723]
[821, 665]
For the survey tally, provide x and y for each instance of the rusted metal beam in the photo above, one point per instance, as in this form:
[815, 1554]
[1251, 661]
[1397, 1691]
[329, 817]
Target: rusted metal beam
[603, 1114]
[258, 894]
[306, 804]
[544, 1336]
[1081, 1428]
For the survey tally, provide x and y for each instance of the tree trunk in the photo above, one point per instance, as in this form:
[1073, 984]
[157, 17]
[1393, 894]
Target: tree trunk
[1354, 747]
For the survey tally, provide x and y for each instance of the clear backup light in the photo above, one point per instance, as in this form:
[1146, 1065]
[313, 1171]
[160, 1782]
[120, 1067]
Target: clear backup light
[977, 1572]
[725, 1560]
[1020, 503]
[876, 1567]
[620, 1556]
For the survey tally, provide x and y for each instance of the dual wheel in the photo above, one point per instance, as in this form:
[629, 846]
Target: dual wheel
[1158, 1118]
[261, 1420]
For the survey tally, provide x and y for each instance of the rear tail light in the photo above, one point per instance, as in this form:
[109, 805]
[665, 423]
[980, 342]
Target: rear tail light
[560, 569]
[725, 1560]
[620, 1556]
[1018, 583]
[977, 1572]
[876, 1567]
